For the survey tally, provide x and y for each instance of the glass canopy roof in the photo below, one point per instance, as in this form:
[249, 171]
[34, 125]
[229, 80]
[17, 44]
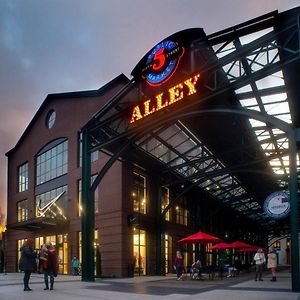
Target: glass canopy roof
[253, 57]
[183, 152]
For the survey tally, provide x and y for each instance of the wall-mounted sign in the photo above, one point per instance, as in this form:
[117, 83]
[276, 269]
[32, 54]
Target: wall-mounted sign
[162, 62]
[176, 93]
[277, 205]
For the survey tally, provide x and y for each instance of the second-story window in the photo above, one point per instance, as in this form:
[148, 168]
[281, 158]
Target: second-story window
[96, 196]
[165, 202]
[22, 210]
[94, 155]
[181, 215]
[139, 193]
[23, 178]
[53, 204]
[52, 163]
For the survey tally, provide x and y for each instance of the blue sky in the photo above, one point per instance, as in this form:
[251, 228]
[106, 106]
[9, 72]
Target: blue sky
[49, 46]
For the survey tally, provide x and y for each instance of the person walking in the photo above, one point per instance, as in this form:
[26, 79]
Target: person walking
[50, 268]
[27, 262]
[272, 263]
[260, 260]
[178, 265]
[75, 265]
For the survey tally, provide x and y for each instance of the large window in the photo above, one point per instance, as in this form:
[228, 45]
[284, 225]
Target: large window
[139, 193]
[165, 202]
[23, 177]
[60, 242]
[53, 204]
[52, 163]
[97, 255]
[181, 215]
[20, 243]
[168, 253]
[22, 210]
[96, 196]
[139, 251]
[94, 154]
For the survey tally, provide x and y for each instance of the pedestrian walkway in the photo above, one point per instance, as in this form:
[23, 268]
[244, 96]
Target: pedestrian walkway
[153, 287]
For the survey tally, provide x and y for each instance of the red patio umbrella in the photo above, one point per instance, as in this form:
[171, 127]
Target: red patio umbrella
[239, 244]
[199, 237]
[249, 249]
[220, 246]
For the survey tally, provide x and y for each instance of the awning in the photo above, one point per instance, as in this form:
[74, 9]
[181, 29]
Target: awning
[38, 223]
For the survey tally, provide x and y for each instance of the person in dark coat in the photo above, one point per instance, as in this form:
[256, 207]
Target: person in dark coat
[27, 262]
[50, 268]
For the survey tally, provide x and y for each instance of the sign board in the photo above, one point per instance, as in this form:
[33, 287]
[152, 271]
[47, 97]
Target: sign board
[277, 205]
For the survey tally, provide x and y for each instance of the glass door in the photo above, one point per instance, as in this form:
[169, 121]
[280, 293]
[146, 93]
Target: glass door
[139, 251]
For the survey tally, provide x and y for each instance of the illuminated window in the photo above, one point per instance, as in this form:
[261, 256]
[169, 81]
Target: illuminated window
[97, 258]
[139, 193]
[20, 244]
[23, 178]
[168, 253]
[38, 242]
[165, 202]
[62, 250]
[52, 163]
[276, 245]
[96, 196]
[209, 254]
[53, 204]
[22, 210]
[181, 215]
[139, 251]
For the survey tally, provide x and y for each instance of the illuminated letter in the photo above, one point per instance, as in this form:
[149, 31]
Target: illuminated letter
[136, 114]
[190, 83]
[147, 112]
[176, 93]
[159, 104]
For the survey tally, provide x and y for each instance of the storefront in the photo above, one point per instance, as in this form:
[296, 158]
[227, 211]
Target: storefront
[141, 163]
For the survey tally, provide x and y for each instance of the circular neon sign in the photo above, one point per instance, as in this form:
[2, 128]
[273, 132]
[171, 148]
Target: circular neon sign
[162, 62]
[277, 205]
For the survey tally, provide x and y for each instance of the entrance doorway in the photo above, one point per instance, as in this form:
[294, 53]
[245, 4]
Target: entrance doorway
[139, 252]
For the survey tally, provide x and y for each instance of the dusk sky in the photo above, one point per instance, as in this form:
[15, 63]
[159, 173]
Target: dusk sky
[50, 46]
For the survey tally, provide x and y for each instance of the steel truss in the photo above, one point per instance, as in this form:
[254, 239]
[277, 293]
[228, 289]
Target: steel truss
[242, 61]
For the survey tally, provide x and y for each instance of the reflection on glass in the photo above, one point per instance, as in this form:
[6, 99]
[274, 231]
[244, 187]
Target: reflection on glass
[53, 204]
[139, 251]
[138, 194]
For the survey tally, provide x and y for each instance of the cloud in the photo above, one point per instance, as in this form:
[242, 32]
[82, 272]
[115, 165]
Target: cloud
[67, 45]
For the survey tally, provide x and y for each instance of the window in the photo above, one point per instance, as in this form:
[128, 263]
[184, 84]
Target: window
[97, 258]
[53, 204]
[50, 119]
[181, 215]
[96, 196]
[276, 245]
[138, 193]
[165, 202]
[20, 243]
[94, 154]
[22, 210]
[139, 251]
[52, 163]
[23, 178]
[168, 253]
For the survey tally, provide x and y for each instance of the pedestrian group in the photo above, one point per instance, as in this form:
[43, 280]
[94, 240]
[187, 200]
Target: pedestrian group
[47, 263]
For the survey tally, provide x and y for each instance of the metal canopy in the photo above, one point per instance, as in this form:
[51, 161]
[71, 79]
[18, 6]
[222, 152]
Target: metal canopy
[238, 161]
[231, 142]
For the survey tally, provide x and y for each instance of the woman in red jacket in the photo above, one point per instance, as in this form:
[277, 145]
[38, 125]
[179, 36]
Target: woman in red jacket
[178, 265]
[50, 268]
